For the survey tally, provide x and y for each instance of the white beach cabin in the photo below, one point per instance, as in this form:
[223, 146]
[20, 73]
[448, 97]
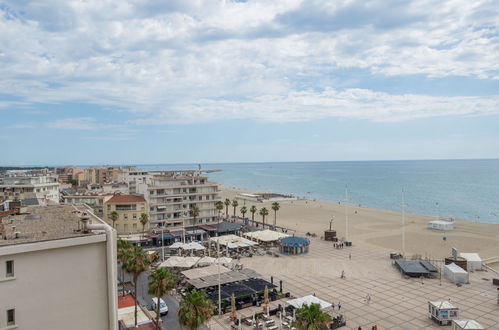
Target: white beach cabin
[442, 312]
[455, 274]
[466, 324]
[441, 225]
[473, 260]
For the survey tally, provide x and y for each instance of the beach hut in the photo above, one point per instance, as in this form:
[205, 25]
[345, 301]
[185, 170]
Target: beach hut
[473, 261]
[441, 225]
[466, 324]
[294, 245]
[442, 312]
[455, 274]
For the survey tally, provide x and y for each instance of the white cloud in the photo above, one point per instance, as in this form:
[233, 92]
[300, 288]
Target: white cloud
[210, 60]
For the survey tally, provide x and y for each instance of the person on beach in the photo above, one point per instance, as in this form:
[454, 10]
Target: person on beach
[342, 274]
[339, 305]
[332, 305]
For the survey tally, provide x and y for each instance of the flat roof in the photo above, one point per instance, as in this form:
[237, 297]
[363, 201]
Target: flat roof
[45, 223]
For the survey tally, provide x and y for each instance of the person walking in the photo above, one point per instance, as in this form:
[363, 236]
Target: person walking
[332, 305]
[339, 305]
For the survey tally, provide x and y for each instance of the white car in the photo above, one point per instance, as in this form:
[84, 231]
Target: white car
[163, 308]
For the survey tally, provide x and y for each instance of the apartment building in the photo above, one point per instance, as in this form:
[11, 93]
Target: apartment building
[42, 187]
[132, 176]
[129, 209]
[67, 173]
[172, 194]
[100, 174]
[57, 270]
[94, 200]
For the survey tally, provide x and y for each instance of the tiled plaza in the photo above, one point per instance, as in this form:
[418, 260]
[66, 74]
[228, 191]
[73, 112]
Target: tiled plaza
[396, 302]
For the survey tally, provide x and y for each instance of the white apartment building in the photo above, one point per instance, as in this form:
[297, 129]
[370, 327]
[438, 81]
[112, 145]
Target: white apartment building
[133, 177]
[44, 187]
[171, 195]
[57, 270]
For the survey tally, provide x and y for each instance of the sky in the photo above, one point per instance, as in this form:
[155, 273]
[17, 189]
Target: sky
[190, 81]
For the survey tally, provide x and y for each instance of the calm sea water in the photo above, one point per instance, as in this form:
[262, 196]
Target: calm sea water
[463, 189]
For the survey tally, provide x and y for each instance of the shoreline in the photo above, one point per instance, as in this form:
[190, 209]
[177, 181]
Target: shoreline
[376, 228]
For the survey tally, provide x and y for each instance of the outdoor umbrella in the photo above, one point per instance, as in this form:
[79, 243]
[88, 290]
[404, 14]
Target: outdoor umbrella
[233, 306]
[265, 298]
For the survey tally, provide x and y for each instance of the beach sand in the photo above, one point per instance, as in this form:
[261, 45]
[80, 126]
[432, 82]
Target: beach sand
[378, 229]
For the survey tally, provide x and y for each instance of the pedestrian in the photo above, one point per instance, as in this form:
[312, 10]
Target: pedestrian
[314, 294]
[332, 305]
[359, 328]
[350, 256]
[334, 244]
[339, 305]
[368, 298]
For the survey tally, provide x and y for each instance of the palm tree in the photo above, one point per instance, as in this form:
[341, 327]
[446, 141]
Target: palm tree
[194, 310]
[219, 205]
[194, 212]
[244, 210]
[310, 317]
[275, 207]
[137, 263]
[124, 254]
[160, 282]
[234, 205]
[227, 204]
[114, 216]
[144, 219]
[253, 211]
[264, 212]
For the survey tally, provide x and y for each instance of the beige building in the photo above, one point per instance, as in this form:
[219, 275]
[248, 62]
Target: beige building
[129, 209]
[42, 187]
[95, 201]
[171, 195]
[101, 174]
[57, 270]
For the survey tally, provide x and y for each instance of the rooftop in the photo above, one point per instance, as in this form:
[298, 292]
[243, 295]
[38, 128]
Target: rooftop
[126, 199]
[43, 223]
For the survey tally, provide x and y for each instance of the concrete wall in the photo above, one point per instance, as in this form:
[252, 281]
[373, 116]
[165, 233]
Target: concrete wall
[61, 288]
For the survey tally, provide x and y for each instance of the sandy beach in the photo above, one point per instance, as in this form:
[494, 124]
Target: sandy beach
[379, 229]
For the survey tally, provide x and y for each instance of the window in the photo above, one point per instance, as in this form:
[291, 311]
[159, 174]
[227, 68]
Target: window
[9, 268]
[11, 317]
[125, 228]
[134, 227]
[135, 215]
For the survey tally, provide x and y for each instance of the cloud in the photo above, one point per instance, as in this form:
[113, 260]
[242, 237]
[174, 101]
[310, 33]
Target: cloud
[215, 60]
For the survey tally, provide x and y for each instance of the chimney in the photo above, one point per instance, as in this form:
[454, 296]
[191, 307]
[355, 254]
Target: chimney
[84, 218]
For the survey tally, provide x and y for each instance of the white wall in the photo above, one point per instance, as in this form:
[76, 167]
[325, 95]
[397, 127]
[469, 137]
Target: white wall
[63, 288]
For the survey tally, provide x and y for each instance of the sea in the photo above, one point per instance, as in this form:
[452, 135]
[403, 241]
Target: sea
[459, 189]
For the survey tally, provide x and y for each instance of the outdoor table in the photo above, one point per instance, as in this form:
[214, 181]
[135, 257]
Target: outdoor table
[273, 327]
[269, 322]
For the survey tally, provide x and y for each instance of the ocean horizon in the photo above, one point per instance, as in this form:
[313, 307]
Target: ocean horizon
[463, 189]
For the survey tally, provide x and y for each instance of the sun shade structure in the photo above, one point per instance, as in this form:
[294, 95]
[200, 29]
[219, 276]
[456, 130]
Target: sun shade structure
[245, 288]
[308, 300]
[233, 241]
[204, 271]
[474, 262]
[441, 225]
[416, 268]
[180, 262]
[266, 235]
[294, 245]
[228, 277]
[187, 246]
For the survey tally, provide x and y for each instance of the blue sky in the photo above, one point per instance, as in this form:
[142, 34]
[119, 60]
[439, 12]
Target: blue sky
[126, 82]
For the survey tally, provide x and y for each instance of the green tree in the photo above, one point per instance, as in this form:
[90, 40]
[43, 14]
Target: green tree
[144, 219]
[275, 207]
[227, 204]
[244, 210]
[194, 310]
[114, 216]
[264, 212]
[253, 210]
[160, 282]
[219, 205]
[310, 317]
[194, 212]
[124, 252]
[234, 205]
[137, 263]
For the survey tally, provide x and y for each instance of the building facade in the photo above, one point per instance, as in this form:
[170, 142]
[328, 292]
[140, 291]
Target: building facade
[172, 195]
[129, 209]
[95, 201]
[43, 187]
[57, 272]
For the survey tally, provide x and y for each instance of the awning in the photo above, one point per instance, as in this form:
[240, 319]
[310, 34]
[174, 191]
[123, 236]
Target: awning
[308, 300]
[207, 228]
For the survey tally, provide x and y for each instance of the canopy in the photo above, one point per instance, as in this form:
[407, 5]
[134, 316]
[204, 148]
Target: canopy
[308, 300]
[441, 225]
[467, 324]
[187, 246]
[233, 241]
[455, 274]
[266, 235]
[181, 262]
[204, 271]
[294, 242]
[474, 262]
[442, 304]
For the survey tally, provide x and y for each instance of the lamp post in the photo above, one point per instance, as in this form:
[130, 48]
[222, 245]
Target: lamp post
[331, 223]
[218, 266]
[163, 242]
